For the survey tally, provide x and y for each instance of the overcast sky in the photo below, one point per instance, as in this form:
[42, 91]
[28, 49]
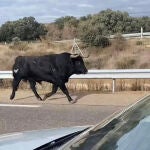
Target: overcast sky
[46, 11]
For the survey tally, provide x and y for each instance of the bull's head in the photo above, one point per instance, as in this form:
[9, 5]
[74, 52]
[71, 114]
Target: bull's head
[80, 53]
[78, 63]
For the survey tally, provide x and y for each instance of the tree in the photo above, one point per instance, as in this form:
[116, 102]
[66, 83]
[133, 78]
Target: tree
[70, 20]
[7, 31]
[66, 26]
[92, 34]
[25, 29]
[93, 28]
[145, 23]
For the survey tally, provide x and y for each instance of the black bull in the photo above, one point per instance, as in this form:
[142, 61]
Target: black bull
[53, 68]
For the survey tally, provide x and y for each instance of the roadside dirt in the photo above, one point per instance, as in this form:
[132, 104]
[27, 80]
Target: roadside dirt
[83, 98]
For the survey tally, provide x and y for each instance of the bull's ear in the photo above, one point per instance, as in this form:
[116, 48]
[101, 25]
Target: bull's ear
[74, 55]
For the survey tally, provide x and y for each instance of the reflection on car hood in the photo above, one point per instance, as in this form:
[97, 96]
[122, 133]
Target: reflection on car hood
[138, 136]
[126, 130]
[33, 139]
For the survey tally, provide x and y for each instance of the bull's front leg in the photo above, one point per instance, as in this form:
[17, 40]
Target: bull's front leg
[15, 85]
[65, 91]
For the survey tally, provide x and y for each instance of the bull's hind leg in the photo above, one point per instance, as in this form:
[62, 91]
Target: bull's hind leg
[54, 90]
[65, 91]
[15, 85]
[32, 85]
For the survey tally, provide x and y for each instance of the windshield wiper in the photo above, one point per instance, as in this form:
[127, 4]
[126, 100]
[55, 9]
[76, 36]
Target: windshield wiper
[54, 145]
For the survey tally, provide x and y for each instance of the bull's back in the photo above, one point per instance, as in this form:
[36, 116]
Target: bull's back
[38, 67]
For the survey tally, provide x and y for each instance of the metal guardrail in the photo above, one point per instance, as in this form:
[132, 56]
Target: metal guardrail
[6, 75]
[133, 35]
[115, 74]
[101, 74]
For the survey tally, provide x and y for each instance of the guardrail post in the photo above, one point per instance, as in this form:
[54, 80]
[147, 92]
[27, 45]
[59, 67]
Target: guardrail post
[113, 85]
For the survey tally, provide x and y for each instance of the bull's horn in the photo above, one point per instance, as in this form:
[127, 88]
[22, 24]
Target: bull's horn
[74, 55]
[83, 56]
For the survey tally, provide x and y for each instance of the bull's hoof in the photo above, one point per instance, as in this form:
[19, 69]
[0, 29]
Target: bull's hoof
[39, 99]
[11, 97]
[44, 99]
[73, 101]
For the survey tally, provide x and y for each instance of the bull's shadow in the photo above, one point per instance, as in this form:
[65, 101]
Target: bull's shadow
[32, 96]
[75, 95]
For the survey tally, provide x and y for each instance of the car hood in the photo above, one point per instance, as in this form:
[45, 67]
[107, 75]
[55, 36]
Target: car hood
[33, 139]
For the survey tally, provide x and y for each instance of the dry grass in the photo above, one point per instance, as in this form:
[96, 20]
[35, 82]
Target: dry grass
[8, 54]
[132, 56]
[104, 85]
[126, 63]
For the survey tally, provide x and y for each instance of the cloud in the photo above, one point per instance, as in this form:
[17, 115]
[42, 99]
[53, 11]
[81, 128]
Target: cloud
[48, 10]
[130, 8]
[45, 18]
[85, 6]
[59, 10]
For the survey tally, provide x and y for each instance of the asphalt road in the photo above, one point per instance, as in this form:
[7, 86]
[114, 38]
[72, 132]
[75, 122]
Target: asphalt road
[26, 113]
[14, 119]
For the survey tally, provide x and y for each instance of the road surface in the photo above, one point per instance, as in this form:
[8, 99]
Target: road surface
[26, 113]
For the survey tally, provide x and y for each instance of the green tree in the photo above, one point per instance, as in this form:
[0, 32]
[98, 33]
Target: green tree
[66, 27]
[25, 29]
[7, 31]
[92, 28]
[92, 34]
[145, 23]
[70, 20]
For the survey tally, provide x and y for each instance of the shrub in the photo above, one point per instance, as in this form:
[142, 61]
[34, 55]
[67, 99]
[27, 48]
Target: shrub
[92, 34]
[125, 63]
[139, 43]
[144, 65]
[16, 40]
[98, 63]
[19, 45]
[101, 41]
[26, 28]
[136, 86]
[119, 42]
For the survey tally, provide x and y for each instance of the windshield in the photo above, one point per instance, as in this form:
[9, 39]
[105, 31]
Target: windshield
[129, 131]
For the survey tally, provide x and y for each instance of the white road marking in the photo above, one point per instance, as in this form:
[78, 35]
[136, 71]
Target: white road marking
[10, 135]
[14, 105]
